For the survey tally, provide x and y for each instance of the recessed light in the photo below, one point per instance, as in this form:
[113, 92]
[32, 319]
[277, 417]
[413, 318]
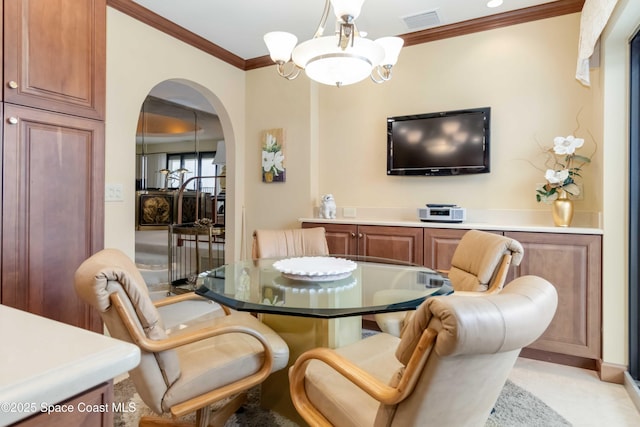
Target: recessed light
[494, 3]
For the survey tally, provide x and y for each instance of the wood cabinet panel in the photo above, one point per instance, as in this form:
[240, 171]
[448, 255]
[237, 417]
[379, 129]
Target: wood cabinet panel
[99, 399]
[572, 263]
[54, 55]
[439, 246]
[53, 213]
[397, 243]
[341, 238]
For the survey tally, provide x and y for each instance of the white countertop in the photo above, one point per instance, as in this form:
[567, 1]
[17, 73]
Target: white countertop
[44, 362]
[535, 221]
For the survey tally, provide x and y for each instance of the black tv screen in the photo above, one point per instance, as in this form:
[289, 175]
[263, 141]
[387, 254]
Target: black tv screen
[444, 143]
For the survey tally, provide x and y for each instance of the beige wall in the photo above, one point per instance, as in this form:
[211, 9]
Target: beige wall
[525, 73]
[138, 58]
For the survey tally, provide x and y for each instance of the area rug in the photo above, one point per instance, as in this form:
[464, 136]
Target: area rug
[515, 407]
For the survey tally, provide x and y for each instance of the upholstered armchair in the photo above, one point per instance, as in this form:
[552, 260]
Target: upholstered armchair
[479, 266]
[289, 242]
[448, 368]
[189, 370]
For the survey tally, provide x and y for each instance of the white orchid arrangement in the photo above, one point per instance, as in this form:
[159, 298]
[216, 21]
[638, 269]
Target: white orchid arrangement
[563, 168]
[272, 156]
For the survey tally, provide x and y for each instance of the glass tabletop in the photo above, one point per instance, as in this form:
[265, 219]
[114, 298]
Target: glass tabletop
[321, 287]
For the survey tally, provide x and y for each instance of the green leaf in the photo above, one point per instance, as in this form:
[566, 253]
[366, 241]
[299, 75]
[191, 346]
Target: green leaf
[582, 158]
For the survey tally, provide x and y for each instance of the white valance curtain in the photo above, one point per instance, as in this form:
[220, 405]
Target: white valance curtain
[595, 14]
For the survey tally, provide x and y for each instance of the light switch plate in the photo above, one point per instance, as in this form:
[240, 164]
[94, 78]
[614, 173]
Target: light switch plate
[113, 193]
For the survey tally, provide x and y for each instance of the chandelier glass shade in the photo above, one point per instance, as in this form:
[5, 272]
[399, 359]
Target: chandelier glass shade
[341, 59]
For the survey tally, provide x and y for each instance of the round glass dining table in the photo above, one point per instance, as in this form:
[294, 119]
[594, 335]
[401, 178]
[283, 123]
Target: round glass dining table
[317, 302]
[321, 287]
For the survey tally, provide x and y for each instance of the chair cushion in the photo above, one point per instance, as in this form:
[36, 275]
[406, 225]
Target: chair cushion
[111, 271]
[292, 242]
[479, 325]
[215, 362]
[476, 258]
[344, 403]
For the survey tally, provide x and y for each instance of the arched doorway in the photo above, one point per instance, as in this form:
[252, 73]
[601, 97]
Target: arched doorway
[179, 138]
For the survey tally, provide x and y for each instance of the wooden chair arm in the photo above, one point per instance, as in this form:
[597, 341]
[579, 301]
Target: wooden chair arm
[174, 341]
[186, 297]
[381, 392]
[500, 276]
[176, 298]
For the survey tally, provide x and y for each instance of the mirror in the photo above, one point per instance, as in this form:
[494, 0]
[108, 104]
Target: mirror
[179, 136]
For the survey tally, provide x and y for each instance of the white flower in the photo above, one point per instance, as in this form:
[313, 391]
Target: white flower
[278, 158]
[556, 177]
[566, 145]
[267, 160]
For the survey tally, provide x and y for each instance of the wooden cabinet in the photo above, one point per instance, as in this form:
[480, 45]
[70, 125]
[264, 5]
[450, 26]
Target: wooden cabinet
[91, 408]
[54, 55]
[572, 263]
[52, 153]
[398, 243]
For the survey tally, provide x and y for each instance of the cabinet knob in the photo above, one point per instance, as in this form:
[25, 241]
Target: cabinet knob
[12, 120]
[13, 84]
[353, 235]
[360, 235]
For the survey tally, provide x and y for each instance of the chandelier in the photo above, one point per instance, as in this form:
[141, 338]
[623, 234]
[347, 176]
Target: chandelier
[344, 58]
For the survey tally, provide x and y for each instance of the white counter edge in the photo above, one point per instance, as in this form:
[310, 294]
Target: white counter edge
[76, 375]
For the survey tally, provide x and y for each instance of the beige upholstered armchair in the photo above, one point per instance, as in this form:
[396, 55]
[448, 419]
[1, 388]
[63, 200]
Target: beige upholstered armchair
[289, 242]
[479, 266]
[447, 369]
[189, 370]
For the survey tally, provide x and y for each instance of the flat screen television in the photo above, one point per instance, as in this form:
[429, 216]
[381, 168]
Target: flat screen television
[436, 144]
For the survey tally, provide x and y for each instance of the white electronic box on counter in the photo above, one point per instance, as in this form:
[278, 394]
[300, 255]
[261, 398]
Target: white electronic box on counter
[442, 213]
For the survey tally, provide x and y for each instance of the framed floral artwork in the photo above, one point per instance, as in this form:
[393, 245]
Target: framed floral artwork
[272, 141]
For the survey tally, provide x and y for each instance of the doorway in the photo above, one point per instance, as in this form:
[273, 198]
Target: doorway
[179, 138]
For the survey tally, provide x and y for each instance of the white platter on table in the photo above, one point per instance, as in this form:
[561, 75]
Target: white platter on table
[315, 269]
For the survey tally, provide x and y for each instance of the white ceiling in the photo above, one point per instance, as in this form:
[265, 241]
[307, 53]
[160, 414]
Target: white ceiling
[238, 25]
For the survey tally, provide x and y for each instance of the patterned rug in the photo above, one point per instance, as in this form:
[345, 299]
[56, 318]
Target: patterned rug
[515, 407]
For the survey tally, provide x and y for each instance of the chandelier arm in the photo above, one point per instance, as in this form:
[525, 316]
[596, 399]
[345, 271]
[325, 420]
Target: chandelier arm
[383, 73]
[291, 74]
[323, 19]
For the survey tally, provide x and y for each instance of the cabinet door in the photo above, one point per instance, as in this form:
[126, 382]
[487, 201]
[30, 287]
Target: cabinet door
[341, 238]
[53, 210]
[572, 263]
[398, 243]
[54, 55]
[100, 399]
[439, 246]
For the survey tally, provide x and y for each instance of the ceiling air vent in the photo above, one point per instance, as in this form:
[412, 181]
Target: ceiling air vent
[422, 20]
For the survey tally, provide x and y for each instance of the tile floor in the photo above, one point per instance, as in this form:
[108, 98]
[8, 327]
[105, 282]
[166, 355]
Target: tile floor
[577, 394]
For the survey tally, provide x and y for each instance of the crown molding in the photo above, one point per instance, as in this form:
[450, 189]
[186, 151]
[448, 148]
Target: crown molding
[520, 16]
[156, 21]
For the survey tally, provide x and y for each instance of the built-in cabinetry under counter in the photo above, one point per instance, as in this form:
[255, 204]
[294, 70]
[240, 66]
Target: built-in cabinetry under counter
[570, 258]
